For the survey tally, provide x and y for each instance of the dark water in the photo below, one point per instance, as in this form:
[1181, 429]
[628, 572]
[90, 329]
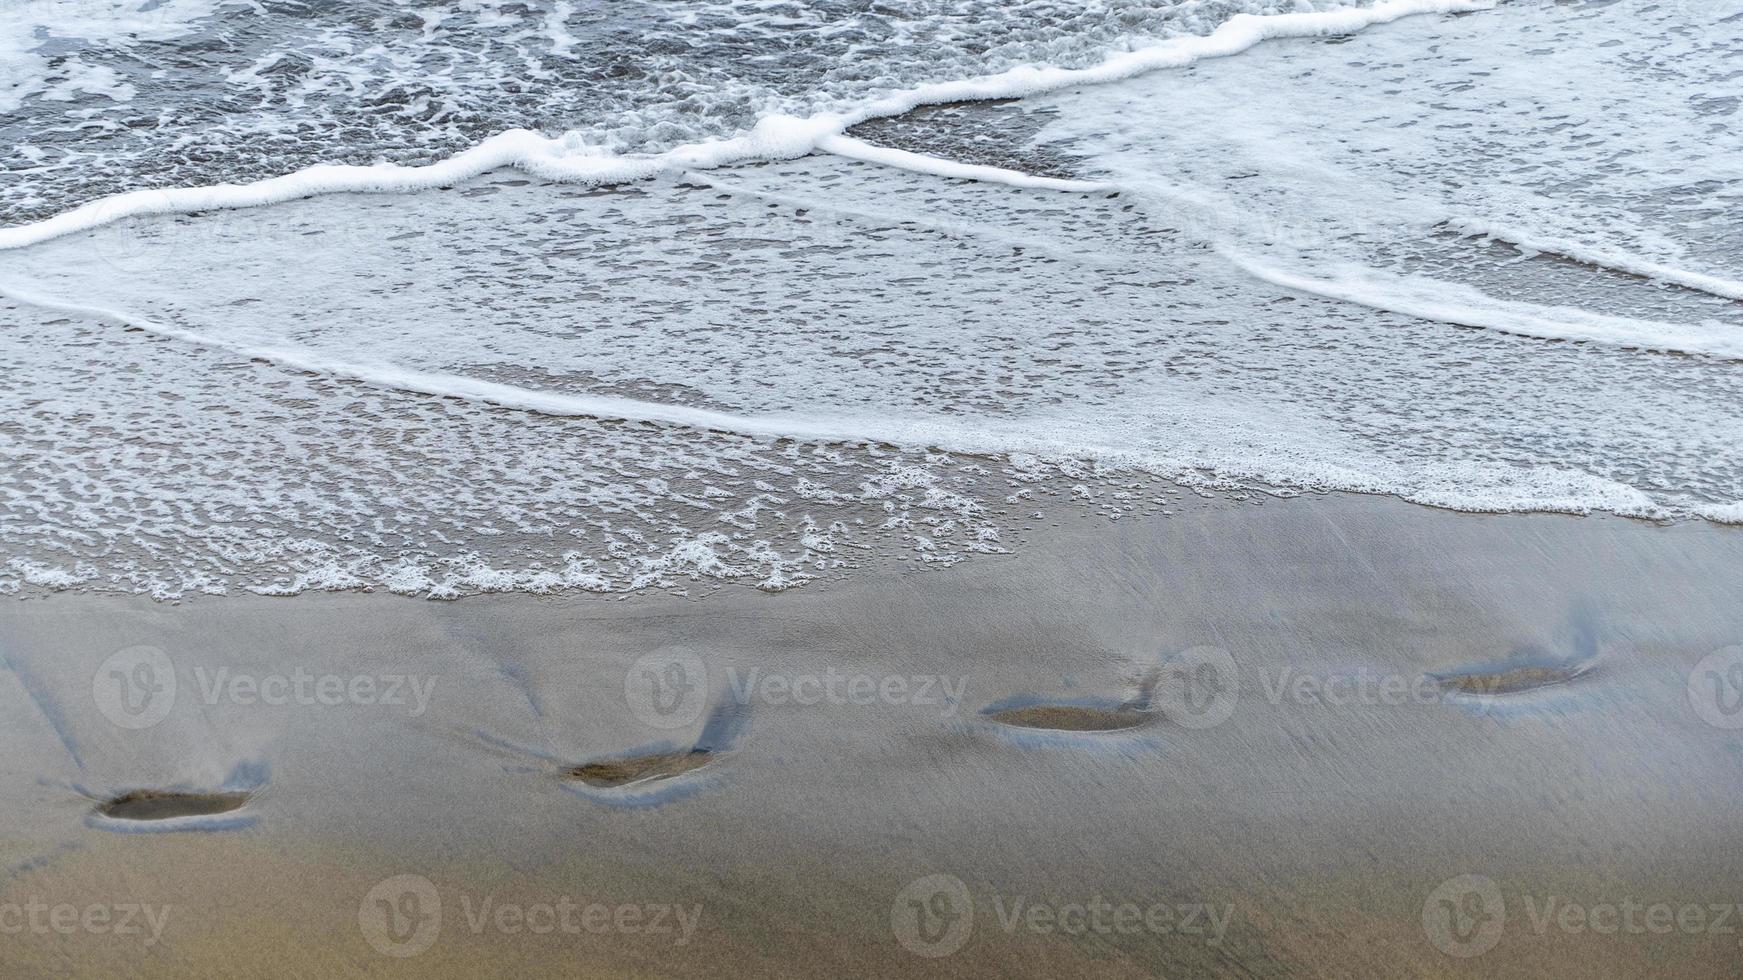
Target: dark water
[107, 95]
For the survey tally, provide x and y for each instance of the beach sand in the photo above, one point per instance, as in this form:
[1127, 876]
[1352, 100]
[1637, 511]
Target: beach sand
[1321, 736]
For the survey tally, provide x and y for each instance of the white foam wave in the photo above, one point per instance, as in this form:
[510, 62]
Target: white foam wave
[1430, 299]
[1613, 259]
[1210, 446]
[1722, 513]
[776, 137]
[936, 432]
[923, 163]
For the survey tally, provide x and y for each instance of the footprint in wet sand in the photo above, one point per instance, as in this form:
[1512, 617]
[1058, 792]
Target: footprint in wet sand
[1031, 721]
[1088, 716]
[658, 774]
[152, 804]
[630, 770]
[1071, 717]
[1529, 668]
[650, 775]
[1509, 678]
[178, 807]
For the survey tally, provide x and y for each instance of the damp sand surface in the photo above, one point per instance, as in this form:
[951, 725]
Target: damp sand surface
[1315, 826]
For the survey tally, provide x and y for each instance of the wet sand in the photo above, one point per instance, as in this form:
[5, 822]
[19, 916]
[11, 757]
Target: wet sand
[1326, 736]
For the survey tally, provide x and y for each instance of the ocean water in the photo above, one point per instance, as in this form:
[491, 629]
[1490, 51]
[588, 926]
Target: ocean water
[567, 296]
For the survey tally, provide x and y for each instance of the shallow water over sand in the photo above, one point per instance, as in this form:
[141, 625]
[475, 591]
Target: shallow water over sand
[775, 372]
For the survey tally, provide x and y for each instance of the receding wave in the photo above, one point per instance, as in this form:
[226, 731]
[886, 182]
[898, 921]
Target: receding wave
[775, 137]
[825, 330]
[1468, 307]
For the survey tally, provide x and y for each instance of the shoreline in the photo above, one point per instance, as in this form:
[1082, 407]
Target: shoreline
[1062, 517]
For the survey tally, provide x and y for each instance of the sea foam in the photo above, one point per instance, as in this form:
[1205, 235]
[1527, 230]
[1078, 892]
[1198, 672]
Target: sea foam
[836, 350]
[777, 137]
